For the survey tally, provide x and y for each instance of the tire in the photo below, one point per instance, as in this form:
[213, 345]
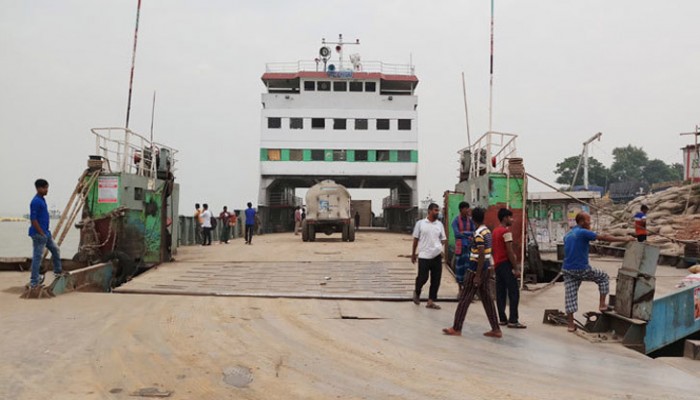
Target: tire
[304, 231]
[351, 231]
[312, 233]
[346, 232]
[124, 267]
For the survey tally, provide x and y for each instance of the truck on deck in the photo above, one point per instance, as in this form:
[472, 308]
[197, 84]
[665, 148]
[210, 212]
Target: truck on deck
[328, 211]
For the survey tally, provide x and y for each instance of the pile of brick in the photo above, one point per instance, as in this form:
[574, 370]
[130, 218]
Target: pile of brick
[674, 214]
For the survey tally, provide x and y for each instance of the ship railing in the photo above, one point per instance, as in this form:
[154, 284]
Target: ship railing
[489, 153]
[364, 66]
[402, 200]
[126, 151]
[283, 199]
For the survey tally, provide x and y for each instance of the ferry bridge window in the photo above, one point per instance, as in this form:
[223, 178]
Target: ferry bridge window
[339, 123]
[382, 155]
[340, 86]
[296, 123]
[339, 155]
[355, 86]
[324, 86]
[404, 155]
[273, 154]
[404, 124]
[318, 155]
[296, 155]
[383, 124]
[361, 124]
[361, 155]
[370, 86]
[318, 123]
[274, 123]
[309, 86]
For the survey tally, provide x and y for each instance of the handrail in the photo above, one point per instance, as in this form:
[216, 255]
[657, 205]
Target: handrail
[128, 151]
[364, 66]
[490, 147]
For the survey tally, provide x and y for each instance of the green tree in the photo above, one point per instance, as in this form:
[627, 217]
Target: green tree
[597, 172]
[656, 171]
[628, 164]
[678, 170]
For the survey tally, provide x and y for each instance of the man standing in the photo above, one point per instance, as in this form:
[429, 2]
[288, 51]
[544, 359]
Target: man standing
[224, 218]
[477, 280]
[576, 268]
[507, 271]
[428, 238]
[297, 220]
[41, 236]
[206, 217]
[357, 220]
[640, 224]
[197, 224]
[249, 223]
[463, 228]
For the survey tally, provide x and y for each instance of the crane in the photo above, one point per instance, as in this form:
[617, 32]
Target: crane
[584, 159]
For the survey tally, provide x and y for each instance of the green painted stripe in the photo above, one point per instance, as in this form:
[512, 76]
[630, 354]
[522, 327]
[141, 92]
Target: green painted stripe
[285, 155]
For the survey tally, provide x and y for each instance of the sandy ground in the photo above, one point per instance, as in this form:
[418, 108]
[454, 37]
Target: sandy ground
[109, 346]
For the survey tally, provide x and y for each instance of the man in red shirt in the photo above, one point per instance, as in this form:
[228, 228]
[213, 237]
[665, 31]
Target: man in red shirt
[507, 271]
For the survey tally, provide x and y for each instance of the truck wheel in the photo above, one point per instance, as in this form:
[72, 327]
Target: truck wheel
[304, 231]
[351, 231]
[346, 232]
[312, 233]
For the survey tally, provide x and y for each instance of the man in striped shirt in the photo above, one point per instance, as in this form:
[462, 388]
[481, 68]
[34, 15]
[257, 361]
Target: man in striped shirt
[477, 280]
[640, 224]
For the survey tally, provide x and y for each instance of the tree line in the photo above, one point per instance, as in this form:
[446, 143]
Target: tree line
[630, 163]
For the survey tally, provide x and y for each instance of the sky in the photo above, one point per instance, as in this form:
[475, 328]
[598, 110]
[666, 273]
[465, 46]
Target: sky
[564, 70]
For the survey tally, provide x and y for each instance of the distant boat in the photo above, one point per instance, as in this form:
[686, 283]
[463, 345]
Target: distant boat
[13, 219]
[54, 213]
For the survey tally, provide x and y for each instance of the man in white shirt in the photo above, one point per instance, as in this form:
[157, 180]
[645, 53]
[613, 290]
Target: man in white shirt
[429, 239]
[297, 220]
[205, 216]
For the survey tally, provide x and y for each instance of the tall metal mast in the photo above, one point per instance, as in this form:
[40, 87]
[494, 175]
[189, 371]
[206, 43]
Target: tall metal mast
[133, 62]
[491, 72]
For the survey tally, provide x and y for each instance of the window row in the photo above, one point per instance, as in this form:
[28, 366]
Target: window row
[339, 86]
[361, 124]
[338, 155]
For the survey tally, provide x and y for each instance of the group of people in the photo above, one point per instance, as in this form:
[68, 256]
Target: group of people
[206, 222]
[478, 251]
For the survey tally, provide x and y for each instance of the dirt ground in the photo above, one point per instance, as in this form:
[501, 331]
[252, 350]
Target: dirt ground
[113, 346]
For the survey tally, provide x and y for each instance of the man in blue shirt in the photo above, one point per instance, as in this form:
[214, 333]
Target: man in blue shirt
[463, 228]
[576, 268]
[40, 234]
[249, 223]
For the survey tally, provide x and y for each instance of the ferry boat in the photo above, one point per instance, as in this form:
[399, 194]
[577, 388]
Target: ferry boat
[342, 118]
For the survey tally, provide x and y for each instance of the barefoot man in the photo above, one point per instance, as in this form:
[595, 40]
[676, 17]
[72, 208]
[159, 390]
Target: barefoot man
[477, 280]
[576, 268]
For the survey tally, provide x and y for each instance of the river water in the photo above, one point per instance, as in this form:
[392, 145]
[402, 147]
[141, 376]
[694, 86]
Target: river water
[14, 241]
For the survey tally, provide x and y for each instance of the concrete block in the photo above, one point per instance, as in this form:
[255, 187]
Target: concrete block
[642, 258]
[692, 349]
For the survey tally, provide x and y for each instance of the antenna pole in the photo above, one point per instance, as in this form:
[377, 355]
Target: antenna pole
[491, 73]
[466, 112]
[339, 48]
[153, 112]
[133, 62]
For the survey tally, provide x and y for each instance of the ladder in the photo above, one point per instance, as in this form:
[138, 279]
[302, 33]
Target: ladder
[74, 206]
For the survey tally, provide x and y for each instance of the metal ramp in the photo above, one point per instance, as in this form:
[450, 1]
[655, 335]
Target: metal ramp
[647, 324]
[359, 280]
